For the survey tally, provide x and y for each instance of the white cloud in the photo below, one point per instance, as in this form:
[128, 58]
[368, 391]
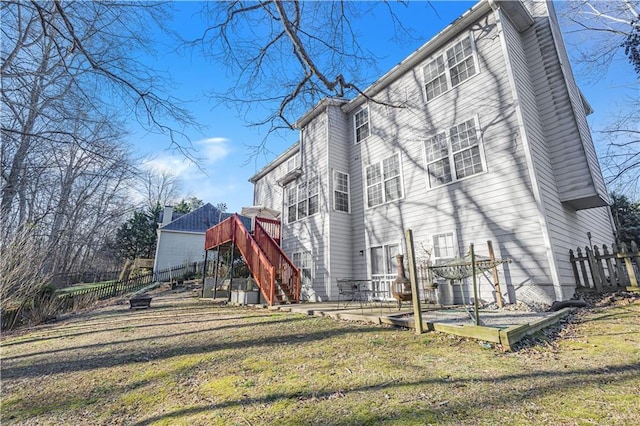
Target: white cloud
[172, 164]
[221, 183]
[212, 149]
[208, 151]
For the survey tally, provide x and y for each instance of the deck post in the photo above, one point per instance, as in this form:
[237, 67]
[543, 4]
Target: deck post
[204, 271]
[413, 277]
[494, 271]
[475, 284]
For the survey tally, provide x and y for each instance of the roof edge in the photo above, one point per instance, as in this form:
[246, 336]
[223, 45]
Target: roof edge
[317, 109]
[275, 162]
[420, 54]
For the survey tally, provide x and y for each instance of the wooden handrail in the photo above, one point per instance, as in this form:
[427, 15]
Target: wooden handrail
[286, 271]
[272, 226]
[263, 255]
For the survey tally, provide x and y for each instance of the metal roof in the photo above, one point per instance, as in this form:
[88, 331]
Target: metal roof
[201, 219]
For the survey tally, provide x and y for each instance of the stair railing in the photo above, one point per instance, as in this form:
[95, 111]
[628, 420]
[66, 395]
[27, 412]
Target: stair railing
[287, 274]
[232, 229]
[272, 226]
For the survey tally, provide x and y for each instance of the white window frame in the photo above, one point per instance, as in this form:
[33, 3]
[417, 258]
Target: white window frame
[301, 197]
[450, 154]
[293, 163]
[366, 123]
[304, 261]
[338, 190]
[454, 246]
[389, 265]
[380, 166]
[444, 64]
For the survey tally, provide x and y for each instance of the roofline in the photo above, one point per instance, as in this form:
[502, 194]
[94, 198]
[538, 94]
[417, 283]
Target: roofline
[470, 16]
[422, 53]
[182, 232]
[317, 109]
[275, 162]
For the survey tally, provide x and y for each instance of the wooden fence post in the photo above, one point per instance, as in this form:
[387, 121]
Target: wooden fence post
[623, 280]
[583, 268]
[598, 266]
[633, 280]
[573, 261]
[597, 283]
[613, 279]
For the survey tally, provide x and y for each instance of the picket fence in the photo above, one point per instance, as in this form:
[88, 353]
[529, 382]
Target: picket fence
[607, 270]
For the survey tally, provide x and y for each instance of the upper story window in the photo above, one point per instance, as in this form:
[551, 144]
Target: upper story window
[302, 200]
[384, 181]
[293, 163]
[340, 191]
[449, 69]
[361, 123]
[454, 154]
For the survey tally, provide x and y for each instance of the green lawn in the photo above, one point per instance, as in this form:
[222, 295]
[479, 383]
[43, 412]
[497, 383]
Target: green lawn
[84, 286]
[187, 362]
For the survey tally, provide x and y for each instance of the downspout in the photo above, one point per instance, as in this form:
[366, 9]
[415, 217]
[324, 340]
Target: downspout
[329, 173]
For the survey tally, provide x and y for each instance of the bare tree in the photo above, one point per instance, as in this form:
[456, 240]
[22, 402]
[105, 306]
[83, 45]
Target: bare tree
[158, 188]
[56, 54]
[603, 29]
[286, 56]
[599, 32]
[22, 271]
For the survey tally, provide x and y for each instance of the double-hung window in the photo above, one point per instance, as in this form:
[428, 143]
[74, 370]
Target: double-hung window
[450, 68]
[454, 154]
[361, 124]
[444, 247]
[302, 200]
[340, 191]
[384, 181]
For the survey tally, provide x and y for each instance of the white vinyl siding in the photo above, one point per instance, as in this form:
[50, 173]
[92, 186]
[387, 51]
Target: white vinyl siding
[384, 181]
[361, 123]
[454, 154]
[451, 68]
[340, 191]
[302, 200]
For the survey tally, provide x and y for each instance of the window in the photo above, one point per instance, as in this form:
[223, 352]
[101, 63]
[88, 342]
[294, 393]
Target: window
[443, 247]
[454, 154]
[383, 181]
[460, 62]
[302, 260]
[449, 69]
[302, 200]
[435, 78]
[361, 120]
[293, 163]
[340, 191]
[383, 259]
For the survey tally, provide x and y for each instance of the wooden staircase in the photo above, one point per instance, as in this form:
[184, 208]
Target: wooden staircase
[276, 275]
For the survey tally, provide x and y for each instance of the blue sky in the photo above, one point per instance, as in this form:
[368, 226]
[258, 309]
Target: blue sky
[222, 144]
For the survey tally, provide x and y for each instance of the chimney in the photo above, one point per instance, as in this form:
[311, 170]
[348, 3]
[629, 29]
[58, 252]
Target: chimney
[167, 215]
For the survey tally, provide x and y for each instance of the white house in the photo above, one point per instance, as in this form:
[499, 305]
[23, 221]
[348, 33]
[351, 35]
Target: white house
[181, 237]
[486, 139]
